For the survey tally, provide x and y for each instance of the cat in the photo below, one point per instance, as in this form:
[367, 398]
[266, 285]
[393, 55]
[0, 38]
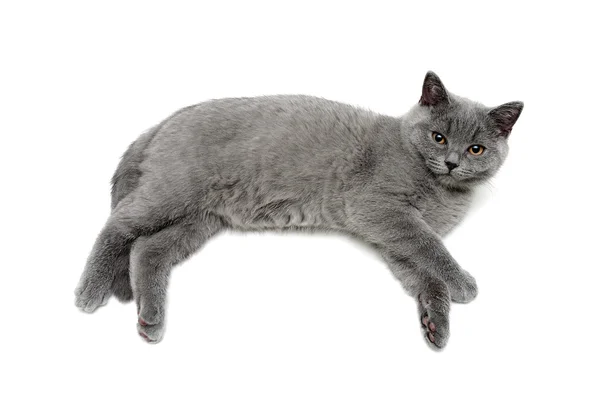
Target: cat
[300, 162]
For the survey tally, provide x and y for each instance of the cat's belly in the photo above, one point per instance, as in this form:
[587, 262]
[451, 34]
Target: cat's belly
[250, 205]
[277, 214]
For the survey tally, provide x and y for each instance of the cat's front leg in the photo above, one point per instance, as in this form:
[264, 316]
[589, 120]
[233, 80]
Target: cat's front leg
[431, 254]
[404, 235]
[418, 258]
[432, 296]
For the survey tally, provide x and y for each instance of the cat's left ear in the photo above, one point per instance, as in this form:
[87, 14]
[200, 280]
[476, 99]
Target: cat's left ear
[505, 116]
[434, 92]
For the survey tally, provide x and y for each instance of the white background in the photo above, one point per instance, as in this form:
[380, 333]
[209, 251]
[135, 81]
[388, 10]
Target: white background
[298, 316]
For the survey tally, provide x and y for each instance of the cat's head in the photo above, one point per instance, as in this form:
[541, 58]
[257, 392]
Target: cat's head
[462, 142]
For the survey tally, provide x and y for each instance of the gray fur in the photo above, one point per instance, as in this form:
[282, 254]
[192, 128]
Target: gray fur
[297, 162]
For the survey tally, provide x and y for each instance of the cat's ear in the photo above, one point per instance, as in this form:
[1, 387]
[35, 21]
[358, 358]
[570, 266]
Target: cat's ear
[434, 92]
[505, 116]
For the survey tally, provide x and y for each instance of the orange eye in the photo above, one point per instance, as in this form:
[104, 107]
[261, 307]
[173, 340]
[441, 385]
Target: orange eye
[438, 137]
[476, 150]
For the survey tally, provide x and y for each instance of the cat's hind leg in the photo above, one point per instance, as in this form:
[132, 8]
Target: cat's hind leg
[152, 258]
[125, 181]
[111, 246]
[121, 286]
[109, 255]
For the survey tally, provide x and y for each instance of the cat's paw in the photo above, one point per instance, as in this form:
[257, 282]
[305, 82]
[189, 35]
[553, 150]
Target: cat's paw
[151, 324]
[152, 333]
[91, 292]
[463, 287]
[435, 322]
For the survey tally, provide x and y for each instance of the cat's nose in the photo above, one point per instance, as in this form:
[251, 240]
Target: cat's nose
[451, 165]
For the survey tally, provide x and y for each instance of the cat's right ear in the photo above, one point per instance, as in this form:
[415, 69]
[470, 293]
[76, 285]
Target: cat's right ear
[434, 92]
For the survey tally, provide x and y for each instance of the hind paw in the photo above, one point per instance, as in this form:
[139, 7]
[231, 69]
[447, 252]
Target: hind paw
[152, 333]
[150, 321]
[91, 294]
[90, 299]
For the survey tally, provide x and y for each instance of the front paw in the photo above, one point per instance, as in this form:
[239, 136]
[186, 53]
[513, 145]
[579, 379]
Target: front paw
[435, 322]
[463, 287]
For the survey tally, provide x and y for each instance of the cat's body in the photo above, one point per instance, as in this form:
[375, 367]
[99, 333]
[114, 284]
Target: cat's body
[264, 175]
[290, 162]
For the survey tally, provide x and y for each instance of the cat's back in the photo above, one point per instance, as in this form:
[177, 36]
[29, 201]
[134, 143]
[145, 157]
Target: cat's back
[238, 115]
[274, 118]
[286, 132]
[240, 128]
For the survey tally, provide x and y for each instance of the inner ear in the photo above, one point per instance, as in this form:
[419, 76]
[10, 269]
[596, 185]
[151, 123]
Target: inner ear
[434, 92]
[506, 115]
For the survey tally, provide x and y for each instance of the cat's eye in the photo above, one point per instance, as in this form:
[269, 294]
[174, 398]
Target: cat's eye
[438, 137]
[476, 150]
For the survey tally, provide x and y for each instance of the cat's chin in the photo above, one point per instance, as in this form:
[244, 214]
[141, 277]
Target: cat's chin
[451, 182]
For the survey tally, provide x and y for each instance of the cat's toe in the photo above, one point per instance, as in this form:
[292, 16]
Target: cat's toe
[91, 302]
[435, 325]
[150, 333]
[90, 296]
[431, 337]
[436, 335]
[463, 288]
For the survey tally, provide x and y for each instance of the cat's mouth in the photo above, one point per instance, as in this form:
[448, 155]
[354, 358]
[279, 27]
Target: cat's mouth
[455, 178]
[440, 169]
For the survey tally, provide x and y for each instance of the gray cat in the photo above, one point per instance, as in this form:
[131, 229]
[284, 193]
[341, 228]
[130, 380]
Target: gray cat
[294, 162]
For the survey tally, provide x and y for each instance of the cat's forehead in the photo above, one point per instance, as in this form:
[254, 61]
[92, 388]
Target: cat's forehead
[464, 120]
